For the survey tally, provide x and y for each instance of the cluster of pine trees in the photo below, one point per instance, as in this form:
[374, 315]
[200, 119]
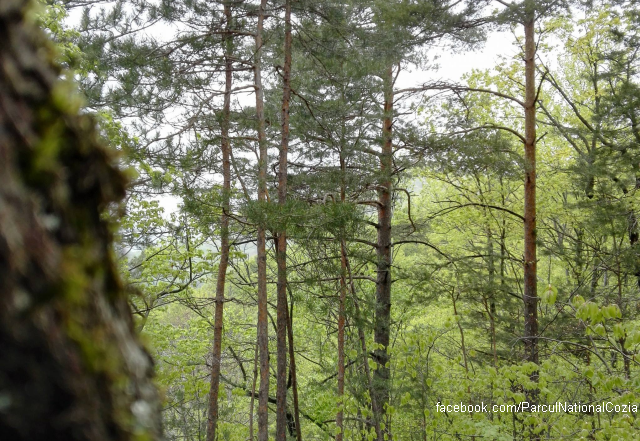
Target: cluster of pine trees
[346, 254]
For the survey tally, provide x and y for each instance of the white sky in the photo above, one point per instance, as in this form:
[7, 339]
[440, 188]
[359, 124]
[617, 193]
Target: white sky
[452, 66]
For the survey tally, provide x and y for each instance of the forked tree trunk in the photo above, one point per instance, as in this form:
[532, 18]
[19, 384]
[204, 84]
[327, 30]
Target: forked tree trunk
[216, 358]
[71, 366]
[281, 254]
[263, 329]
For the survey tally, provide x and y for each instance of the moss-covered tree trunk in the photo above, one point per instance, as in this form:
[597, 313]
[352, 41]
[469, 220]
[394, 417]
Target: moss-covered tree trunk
[71, 367]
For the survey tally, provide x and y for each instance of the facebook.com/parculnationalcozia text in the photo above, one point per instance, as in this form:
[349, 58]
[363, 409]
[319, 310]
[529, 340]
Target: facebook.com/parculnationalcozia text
[557, 407]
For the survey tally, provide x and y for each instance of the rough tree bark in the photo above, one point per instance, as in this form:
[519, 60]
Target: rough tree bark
[281, 255]
[263, 336]
[216, 353]
[530, 258]
[382, 322]
[71, 367]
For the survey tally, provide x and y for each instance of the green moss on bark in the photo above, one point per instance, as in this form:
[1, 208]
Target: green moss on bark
[72, 367]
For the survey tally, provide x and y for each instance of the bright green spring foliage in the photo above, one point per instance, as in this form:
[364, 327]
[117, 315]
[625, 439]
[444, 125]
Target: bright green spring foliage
[457, 297]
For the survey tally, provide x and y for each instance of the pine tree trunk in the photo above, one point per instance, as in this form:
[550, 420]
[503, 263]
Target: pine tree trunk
[530, 258]
[292, 371]
[382, 322]
[341, 325]
[71, 366]
[216, 358]
[263, 330]
[281, 255]
[341, 312]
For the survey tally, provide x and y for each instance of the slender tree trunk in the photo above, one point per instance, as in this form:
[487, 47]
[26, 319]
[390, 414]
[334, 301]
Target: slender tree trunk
[634, 235]
[253, 393]
[281, 255]
[341, 326]
[292, 370]
[382, 322]
[530, 258]
[341, 315]
[216, 358]
[365, 354]
[263, 325]
[454, 299]
[71, 365]
[492, 299]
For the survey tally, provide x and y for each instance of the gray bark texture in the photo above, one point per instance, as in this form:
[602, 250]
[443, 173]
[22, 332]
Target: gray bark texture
[71, 366]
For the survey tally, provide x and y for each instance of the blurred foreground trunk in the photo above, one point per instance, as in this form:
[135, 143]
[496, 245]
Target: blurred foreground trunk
[71, 367]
